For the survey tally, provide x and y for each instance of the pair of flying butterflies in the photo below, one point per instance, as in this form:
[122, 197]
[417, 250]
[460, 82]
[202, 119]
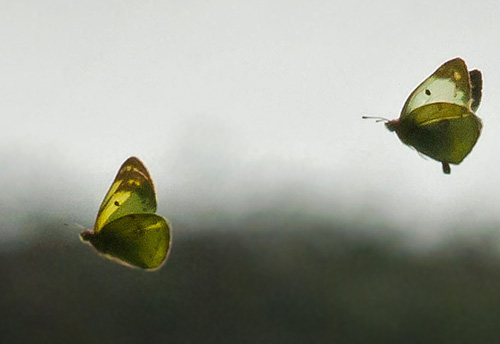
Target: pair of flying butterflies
[438, 118]
[127, 229]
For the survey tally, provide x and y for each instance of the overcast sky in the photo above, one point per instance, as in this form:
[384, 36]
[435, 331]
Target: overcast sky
[237, 105]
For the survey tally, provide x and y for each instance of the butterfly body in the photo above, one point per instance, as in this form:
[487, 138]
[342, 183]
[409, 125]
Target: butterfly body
[127, 229]
[438, 118]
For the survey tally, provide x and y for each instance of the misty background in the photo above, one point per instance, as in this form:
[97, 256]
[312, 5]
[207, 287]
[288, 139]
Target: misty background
[247, 114]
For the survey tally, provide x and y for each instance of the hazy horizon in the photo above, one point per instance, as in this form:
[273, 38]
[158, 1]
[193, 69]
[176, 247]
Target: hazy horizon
[239, 107]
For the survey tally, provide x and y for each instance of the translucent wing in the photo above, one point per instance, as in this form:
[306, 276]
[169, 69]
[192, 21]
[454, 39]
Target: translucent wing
[132, 192]
[450, 83]
[141, 240]
[443, 131]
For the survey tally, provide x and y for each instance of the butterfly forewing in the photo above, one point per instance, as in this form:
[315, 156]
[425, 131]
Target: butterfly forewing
[449, 83]
[132, 192]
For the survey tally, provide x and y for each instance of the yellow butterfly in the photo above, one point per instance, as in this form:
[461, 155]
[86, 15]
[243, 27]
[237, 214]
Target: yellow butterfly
[438, 117]
[127, 229]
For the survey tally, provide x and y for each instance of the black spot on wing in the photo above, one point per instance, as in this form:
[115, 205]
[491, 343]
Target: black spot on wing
[117, 203]
[428, 92]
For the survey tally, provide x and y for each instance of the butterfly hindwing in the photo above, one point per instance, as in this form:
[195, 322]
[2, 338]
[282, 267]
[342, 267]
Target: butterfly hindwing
[445, 132]
[140, 240]
[450, 83]
[132, 192]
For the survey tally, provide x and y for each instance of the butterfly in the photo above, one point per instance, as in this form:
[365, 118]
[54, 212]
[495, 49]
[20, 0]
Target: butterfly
[438, 118]
[127, 229]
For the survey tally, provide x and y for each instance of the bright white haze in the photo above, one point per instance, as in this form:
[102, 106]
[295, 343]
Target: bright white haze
[235, 106]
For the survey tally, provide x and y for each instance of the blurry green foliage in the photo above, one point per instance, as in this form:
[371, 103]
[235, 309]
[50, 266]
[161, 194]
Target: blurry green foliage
[294, 282]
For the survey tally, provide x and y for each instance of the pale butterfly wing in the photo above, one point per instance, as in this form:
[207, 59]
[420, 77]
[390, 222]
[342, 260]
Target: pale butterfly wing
[132, 192]
[450, 83]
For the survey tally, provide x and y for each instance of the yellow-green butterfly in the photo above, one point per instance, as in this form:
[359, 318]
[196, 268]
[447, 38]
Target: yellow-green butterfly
[127, 229]
[438, 118]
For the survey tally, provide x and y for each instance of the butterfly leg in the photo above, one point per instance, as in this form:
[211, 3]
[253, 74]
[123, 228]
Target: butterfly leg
[446, 168]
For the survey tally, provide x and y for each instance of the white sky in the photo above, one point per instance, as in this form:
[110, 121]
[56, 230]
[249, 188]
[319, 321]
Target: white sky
[233, 105]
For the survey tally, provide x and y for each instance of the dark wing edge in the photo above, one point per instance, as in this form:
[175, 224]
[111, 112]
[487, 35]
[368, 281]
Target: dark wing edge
[476, 87]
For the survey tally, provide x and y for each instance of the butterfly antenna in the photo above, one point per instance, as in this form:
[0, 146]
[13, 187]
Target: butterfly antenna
[377, 119]
[74, 225]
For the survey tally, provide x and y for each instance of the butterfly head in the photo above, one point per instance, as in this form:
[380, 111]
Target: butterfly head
[87, 236]
[392, 125]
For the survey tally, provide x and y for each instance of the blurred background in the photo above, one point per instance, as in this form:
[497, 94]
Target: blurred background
[293, 219]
